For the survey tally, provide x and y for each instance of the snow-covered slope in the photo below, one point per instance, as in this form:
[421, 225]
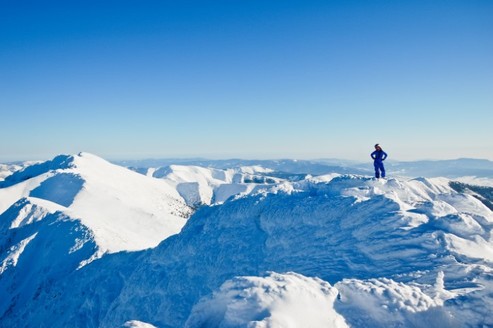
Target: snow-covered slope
[201, 185]
[364, 252]
[201, 181]
[59, 215]
[123, 209]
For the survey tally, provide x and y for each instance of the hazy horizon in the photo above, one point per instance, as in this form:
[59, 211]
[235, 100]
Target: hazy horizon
[218, 158]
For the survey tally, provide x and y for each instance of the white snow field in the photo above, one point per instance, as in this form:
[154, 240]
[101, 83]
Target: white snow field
[327, 251]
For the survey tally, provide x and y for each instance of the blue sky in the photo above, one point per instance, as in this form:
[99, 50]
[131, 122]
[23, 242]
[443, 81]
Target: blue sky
[247, 79]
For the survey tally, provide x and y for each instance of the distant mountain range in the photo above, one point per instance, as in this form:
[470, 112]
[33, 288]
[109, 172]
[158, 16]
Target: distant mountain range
[437, 168]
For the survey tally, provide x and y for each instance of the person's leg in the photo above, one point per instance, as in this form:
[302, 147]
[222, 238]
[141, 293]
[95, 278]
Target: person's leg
[377, 171]
[382, 169]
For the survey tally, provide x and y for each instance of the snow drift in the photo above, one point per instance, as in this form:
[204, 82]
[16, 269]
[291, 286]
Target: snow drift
[373, 253]
[277, 300]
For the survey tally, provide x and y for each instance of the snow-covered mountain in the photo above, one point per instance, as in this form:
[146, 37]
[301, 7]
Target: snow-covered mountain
[62, 214]
[203, 182]
[123, 209]
[325, 251]
[201, 185]
[283, 167]
[456, 168]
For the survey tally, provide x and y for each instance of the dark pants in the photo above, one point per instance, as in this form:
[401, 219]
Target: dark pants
[379, 169]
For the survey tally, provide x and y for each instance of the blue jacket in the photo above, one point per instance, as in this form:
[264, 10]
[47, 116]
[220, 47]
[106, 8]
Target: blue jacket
[379, 155]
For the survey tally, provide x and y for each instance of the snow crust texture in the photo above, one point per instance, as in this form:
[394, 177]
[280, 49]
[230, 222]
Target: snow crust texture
[326, 251]
[277, 300]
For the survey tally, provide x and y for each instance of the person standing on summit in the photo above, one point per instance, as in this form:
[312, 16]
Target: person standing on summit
[378, 157]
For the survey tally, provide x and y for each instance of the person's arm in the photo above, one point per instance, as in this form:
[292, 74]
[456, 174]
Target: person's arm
[374, 155]
[384, 155]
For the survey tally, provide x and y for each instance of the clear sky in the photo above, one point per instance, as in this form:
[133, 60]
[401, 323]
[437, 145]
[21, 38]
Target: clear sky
[246, 78]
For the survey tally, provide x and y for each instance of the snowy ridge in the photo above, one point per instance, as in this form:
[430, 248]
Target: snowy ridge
[45, 249]
[371, 252]
[201, 185]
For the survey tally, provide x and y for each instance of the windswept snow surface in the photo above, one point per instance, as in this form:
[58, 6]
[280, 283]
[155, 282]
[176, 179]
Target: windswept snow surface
[137, 324]
[326, 251]
[277, 300]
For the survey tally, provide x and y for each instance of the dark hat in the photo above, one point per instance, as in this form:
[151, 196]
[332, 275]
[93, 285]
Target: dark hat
[377, 145]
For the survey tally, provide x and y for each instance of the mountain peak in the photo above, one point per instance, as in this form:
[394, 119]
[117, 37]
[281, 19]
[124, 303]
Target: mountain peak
[60, 162]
